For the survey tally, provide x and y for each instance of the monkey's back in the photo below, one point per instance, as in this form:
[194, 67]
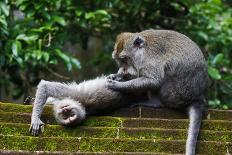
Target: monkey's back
[182, 63]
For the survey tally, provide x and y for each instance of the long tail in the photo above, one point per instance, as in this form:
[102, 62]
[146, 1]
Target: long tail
[195, 117]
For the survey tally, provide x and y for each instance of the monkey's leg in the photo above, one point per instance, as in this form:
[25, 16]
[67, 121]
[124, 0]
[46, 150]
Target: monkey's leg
[138, 84]
[46, 89]
[195, 118]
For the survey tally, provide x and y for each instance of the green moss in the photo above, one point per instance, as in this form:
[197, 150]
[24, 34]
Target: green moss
[14, 117]
[148, 133]
[38, 143]
[215, 114]
[106, 145]
[59, 131]
[102, 121]
[218, 125]
[19, 108]
[174, 134]
[111, 132]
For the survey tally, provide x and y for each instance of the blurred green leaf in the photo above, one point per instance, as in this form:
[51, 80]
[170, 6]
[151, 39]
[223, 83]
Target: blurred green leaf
[58, 19]
[4, 8]
[218, 59]
[214, 73]
[76, 63]
[15, 47]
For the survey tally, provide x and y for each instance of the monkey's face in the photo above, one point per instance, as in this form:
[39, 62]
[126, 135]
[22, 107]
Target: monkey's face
[69, 114]
[128, 53]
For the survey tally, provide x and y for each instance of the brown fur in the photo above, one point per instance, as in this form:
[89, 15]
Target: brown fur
[120, 42]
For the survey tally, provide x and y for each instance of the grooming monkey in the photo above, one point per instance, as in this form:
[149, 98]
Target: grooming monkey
[167, 63]
[74, 101]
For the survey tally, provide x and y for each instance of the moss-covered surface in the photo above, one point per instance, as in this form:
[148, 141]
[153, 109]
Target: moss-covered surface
[19, 108]
[106, 145]
[15, 152]
[59, 131]
[219, 125]
[113, 132]
[107, 121]
[125, 112]
[147, 131]
[173, 134]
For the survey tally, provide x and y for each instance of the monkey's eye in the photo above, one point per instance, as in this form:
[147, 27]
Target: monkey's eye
[139, 42]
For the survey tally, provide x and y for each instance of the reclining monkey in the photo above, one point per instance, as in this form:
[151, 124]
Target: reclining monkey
[74, 101]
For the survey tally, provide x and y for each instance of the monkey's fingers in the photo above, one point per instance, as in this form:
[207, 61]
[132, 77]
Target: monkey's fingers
[111, 77]
[112, 84]
[36, 129]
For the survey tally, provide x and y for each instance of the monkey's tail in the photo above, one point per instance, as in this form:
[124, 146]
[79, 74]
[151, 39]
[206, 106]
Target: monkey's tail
[195, 117]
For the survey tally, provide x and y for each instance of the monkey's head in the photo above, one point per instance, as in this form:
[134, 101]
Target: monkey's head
[128, 51]
[69, 112]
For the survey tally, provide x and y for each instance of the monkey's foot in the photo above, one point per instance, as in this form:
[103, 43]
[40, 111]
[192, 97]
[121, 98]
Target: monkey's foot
[116, 77]
[29, 100]
[37, 127]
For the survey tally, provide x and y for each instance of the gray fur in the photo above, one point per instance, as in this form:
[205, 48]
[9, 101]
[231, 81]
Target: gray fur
[171, 64]
[73, 101]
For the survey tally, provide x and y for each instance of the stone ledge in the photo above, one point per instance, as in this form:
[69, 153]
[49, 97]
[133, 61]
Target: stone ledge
[143, 112]
[114, 132]
[107, 145]
[12, 152]
[138, 130]
[107, 121]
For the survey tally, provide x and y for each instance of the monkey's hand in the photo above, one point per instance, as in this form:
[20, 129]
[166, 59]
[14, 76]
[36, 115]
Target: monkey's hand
[113, 84]
[37, 127]
[116, 77]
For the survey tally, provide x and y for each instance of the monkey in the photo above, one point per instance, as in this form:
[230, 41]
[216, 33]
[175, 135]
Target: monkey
[72, 102]
[168, 63]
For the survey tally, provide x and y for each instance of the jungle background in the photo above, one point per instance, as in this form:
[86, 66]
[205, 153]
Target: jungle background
[66, 40]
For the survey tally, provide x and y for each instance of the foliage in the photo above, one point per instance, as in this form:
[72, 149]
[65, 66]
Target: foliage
[32, 37]
[34, 33]
[210, 25]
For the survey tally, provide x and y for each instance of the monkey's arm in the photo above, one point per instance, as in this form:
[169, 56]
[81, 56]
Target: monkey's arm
[46, 89]
[138, 84]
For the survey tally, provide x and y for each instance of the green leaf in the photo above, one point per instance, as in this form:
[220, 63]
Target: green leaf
[225, 107]
[76, 63]
[54, 62]
[203, 35]
[28, 39]
[214, 73]
[3, 21]
[19, 61]
[102, 12]
[46, 56]
[89, 15]
[78, 13]
[218, 59]
[14, 48]
[5, 8]
[63, 56]
[58, 19]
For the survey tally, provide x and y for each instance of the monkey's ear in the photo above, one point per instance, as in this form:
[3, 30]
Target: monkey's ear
[139, 42]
